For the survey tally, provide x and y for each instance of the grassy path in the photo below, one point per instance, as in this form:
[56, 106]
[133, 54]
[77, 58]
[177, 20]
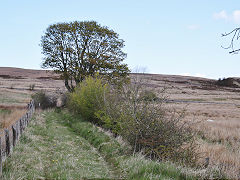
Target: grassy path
[50, 150]
[59, 146]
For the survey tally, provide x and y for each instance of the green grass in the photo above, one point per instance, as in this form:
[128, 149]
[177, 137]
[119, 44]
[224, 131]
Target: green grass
[8, 100]
[12, 97]
[4, 111]
[49, 150]
[219, 99]
[58, 145]
[125, 165]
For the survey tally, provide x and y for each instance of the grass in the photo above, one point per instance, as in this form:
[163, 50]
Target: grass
[8, 117]
[134, 166]
[4, 111]
[8, 97]
[49, 150]
[8, 100]
[220, 99]
[193, 99]
[220, 142]
[58, 145]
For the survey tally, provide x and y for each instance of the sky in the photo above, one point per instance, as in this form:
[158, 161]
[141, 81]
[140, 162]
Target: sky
[161, 37]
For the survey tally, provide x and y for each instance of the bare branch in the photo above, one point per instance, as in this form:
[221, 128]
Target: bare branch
[234, 52]
[235, 36]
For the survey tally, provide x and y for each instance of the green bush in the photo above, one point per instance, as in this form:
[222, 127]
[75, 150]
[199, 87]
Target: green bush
[88, 98]
[134, 113]
[147, 125]
[44, 101]
[148, 95]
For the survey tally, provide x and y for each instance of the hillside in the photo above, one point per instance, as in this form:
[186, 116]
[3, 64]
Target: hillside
[57, 145]
[19, 73]
[213, 108]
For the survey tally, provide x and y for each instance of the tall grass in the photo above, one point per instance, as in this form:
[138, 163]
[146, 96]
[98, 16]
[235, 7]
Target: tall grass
[220, 142]
[8, 117]
[126, 164]
[119, 155]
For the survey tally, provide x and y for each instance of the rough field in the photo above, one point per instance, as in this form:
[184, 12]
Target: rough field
[54, 152]
[216, 109]
[15, 90]
[57, 145]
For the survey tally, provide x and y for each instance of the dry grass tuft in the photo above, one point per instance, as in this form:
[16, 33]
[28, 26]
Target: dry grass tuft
[9, 117]
[222, 157]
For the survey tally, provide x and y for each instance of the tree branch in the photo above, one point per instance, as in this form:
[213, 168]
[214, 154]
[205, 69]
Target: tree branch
[235, 36]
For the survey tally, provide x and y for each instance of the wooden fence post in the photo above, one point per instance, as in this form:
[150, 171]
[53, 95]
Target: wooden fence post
[21, 125]
[23, 122]
[27, 116]
[7, 141]
[14, 132]
[1, 159]
[18, 129]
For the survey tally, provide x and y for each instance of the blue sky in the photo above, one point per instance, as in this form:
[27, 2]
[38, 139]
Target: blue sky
[164, 37]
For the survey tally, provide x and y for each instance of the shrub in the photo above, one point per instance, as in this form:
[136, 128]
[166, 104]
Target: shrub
[148, 126]
[44, 101]
[88, 98]
[133, 113]
[31, 87]
[148, 95]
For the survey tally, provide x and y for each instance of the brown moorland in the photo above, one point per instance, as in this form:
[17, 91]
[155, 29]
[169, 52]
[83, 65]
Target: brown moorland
[215, 108]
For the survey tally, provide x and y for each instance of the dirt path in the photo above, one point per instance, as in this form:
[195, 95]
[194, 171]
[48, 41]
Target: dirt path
[50, 150]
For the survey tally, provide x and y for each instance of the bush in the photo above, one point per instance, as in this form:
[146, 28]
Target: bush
[88, 99]
[44, 101]
[148, 95]
[31, 87]
[148, 126]
[134, 113]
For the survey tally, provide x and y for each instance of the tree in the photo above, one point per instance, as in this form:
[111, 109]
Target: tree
[235, 36]
[79, 49]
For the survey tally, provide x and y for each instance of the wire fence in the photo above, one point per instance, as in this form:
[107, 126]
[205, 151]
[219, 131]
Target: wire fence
[10, 136]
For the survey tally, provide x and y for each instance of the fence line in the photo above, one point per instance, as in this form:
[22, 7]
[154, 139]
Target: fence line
[12, 134]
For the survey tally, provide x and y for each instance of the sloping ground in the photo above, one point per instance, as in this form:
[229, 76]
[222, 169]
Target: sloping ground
[49, 150]
[19, 73]
[17, 85]
[215, 106]
[57, 145]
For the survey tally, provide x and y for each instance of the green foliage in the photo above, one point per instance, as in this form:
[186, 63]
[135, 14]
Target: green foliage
[148, 95]
[88, 98]
[146, 125]
[48, 149]
[132, 113]
[44, 101]
[80, 49]
[118, 155]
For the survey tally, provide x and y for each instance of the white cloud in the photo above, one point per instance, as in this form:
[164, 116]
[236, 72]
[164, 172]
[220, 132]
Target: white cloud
[236, 16]
[221, 15]
[193, 27]
[233, 17]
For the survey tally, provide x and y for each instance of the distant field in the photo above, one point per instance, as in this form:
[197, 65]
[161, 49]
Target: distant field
[15, 90]
[216, 111]
[215, 108]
